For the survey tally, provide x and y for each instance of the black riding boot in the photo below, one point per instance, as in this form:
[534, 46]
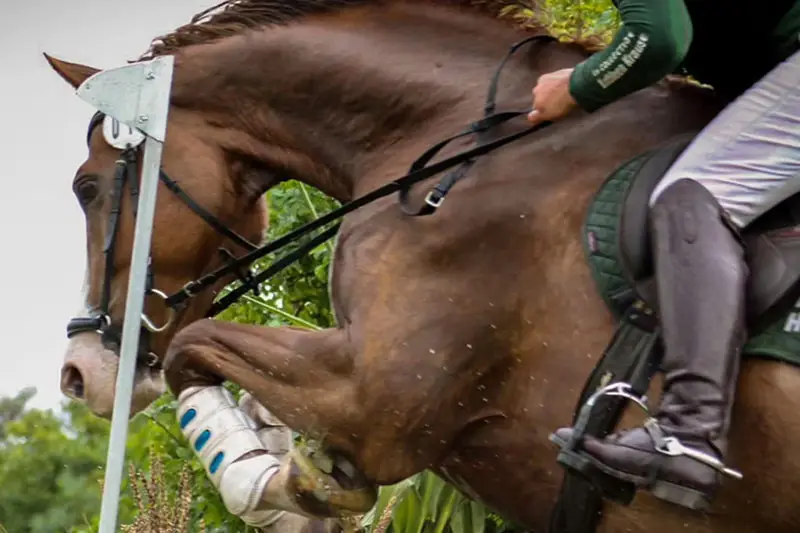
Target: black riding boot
[701, 272]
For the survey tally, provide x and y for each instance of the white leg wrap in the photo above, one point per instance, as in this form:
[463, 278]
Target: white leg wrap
[272, 432]
[220, 433]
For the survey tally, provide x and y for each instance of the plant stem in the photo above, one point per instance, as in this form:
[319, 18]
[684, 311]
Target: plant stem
[446, 512]
[313, 209]
[157, 422]
[271, 308]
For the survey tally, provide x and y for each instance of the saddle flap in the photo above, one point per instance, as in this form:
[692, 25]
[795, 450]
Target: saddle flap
[772, 243]
[774, 261]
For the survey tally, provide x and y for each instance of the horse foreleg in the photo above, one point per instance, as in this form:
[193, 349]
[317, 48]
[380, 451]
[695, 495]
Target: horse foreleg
[277, 438]
[305, 378]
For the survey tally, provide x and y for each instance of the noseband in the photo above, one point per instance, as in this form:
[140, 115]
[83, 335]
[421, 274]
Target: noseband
[422, 169]
[100, 320]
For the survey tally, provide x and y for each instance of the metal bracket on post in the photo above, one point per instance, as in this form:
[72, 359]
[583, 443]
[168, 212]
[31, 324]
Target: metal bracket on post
[136, 95]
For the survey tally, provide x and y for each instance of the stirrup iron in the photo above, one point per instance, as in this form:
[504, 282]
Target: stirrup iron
[575, 459]
[617, 389]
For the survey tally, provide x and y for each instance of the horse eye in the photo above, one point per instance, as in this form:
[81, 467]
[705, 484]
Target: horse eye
[86, 190]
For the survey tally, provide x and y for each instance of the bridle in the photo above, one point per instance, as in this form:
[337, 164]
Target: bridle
[100, 318]
[126, 173]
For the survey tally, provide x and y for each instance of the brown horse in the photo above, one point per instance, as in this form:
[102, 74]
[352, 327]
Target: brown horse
[463, 338]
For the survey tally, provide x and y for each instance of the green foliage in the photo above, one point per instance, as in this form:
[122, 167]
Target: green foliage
[425, 503]
[578, 20]
[298, 295]
[12, 408]
[50, 466]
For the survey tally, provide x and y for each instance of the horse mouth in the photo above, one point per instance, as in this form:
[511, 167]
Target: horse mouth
[72, 382]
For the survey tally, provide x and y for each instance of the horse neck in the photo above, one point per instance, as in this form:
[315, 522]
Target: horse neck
[344, 96]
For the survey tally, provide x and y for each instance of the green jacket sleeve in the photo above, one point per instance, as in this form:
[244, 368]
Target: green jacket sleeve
[651, 43]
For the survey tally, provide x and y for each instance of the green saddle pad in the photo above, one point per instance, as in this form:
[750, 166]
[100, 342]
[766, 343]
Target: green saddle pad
[779, 341]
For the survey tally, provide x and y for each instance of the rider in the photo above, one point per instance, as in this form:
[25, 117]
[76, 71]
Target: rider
[744, 162]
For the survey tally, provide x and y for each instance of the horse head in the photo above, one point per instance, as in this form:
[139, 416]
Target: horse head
[212, 204]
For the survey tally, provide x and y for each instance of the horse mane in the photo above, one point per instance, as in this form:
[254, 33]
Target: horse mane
[233, 17]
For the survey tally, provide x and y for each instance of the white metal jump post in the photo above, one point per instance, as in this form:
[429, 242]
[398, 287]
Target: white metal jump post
[137, 96]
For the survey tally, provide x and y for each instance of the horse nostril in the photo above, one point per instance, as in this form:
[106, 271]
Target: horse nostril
[72, 382]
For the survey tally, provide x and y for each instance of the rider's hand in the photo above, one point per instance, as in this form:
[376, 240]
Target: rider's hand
[551, 97]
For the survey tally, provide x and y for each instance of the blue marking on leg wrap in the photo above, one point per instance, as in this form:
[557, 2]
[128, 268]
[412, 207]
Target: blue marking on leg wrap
[202, 439]
[216, 462]
[187, 417]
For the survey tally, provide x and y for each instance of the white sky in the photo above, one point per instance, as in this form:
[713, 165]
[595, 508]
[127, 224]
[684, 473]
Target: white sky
[42, 141]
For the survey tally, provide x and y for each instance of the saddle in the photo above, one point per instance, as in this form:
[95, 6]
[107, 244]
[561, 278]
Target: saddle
[616, 238]
[772, 244]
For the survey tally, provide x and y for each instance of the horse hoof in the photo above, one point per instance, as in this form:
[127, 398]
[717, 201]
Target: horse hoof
[328, 487]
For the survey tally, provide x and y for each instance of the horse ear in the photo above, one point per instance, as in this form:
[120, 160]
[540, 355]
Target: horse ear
[73, 73]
